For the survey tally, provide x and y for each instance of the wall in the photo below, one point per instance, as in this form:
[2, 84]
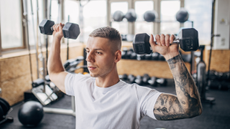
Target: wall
[220, 60]
[221, 24]
[15, 72]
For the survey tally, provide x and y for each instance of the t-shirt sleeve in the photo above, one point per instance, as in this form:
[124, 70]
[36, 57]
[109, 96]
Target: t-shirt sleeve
[72, 80]
[148, 98]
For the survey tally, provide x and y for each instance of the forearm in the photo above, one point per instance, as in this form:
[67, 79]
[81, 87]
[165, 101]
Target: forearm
[186, 90]
[54, 61]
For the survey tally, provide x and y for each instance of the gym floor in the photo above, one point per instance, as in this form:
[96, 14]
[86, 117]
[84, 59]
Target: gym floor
[214, 116]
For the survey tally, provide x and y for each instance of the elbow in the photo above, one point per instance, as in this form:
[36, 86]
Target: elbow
[194, 112]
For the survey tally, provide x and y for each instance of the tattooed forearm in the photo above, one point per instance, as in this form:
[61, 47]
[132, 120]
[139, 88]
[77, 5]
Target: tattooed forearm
[186, 103]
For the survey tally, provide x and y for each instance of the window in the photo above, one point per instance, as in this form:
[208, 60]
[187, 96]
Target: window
[11, 24]
[94, 19]
[142, 26]
[169, 24]
[201, 16]
[122, 26]
[71, 14]
[32, 20]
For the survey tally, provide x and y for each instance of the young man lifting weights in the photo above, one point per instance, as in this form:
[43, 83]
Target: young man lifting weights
[103, 101]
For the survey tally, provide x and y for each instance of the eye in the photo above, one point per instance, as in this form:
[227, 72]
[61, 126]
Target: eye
[99, 53]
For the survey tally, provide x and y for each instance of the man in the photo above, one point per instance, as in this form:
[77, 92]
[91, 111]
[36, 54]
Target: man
[105, 102]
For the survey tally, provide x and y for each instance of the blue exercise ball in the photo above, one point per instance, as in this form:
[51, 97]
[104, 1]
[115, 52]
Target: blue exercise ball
[31, 113]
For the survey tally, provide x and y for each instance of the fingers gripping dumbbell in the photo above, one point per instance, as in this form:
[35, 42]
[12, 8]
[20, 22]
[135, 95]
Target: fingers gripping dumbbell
[70, 30]
[187, 38]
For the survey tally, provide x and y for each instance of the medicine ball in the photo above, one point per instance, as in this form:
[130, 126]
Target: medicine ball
[31, 113]
[118, 16]
[182, 15]
[150, 16]
[131, 15]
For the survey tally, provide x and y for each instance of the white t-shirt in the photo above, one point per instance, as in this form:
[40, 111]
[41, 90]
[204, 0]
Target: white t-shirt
[120, 106]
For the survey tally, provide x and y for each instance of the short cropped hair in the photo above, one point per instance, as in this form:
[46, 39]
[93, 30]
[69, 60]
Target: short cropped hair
[110, 33]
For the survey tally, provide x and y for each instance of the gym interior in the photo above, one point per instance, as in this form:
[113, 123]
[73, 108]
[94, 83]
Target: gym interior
[28, 99]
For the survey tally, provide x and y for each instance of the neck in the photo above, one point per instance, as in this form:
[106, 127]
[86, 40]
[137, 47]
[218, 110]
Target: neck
[108, 80]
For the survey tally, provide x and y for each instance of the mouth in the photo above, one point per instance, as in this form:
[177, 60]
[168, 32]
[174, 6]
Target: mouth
[91, 67]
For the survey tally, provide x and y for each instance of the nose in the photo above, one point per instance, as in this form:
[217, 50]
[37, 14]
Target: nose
[90, 57]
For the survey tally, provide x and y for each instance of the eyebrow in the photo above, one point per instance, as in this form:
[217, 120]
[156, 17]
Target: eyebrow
[95, 49]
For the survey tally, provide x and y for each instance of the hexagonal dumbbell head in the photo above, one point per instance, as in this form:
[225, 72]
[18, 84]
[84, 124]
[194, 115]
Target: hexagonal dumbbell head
[45, 27]
[141, 44]
[71, 30]
[188, 39]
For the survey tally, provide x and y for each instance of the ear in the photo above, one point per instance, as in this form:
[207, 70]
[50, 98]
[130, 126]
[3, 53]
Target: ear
[117, 56]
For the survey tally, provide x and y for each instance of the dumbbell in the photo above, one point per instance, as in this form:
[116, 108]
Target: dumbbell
[131, 78]
[153, 81]
[138, 80]
[131, 16]
[70, 30]
[187, 38]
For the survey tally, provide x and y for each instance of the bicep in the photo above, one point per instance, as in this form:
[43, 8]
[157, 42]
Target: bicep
[59, 80]
[167, 107]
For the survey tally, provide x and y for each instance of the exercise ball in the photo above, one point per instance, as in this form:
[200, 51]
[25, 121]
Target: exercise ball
[182, 15]
[31, 113]
[150, 16]
[118, 16]
[131, 15]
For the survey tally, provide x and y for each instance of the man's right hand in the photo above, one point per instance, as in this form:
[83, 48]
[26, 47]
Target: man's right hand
[57, 33]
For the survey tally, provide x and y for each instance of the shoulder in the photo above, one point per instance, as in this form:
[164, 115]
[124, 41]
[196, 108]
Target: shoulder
[139, 91]
[78, 77]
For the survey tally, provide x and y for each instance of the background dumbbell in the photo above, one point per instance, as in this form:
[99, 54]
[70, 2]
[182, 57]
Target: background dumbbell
[70, 30]
[131, 16]
[181, 16]
[187, 38]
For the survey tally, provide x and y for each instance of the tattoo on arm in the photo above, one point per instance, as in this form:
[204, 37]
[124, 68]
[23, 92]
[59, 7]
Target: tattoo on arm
[186, 103]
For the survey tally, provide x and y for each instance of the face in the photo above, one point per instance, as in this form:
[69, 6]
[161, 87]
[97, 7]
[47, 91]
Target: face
[101, 60]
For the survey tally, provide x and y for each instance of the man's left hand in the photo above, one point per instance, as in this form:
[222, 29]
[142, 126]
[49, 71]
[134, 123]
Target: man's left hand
[164, 46]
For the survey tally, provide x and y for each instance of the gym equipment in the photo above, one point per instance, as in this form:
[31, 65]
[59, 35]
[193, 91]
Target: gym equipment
[4, 109]
[161, 57]
[145, 78]
[186, 57]
[5, 106]
[118, 16]
[187, 38]
[152, 81]
[201, 78]
[70, 30]
[140, 57]
[124, 53]
[131, 16]
[150, 16]
[123, 77]
[182, 15]
[38, 82]
[133, 56]
[155, 56]
[131, 78]
[162, 81]
[147, 56]
[31, 113]
[138, 80]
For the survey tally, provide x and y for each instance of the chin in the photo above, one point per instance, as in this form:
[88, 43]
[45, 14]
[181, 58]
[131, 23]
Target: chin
[93, 75]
